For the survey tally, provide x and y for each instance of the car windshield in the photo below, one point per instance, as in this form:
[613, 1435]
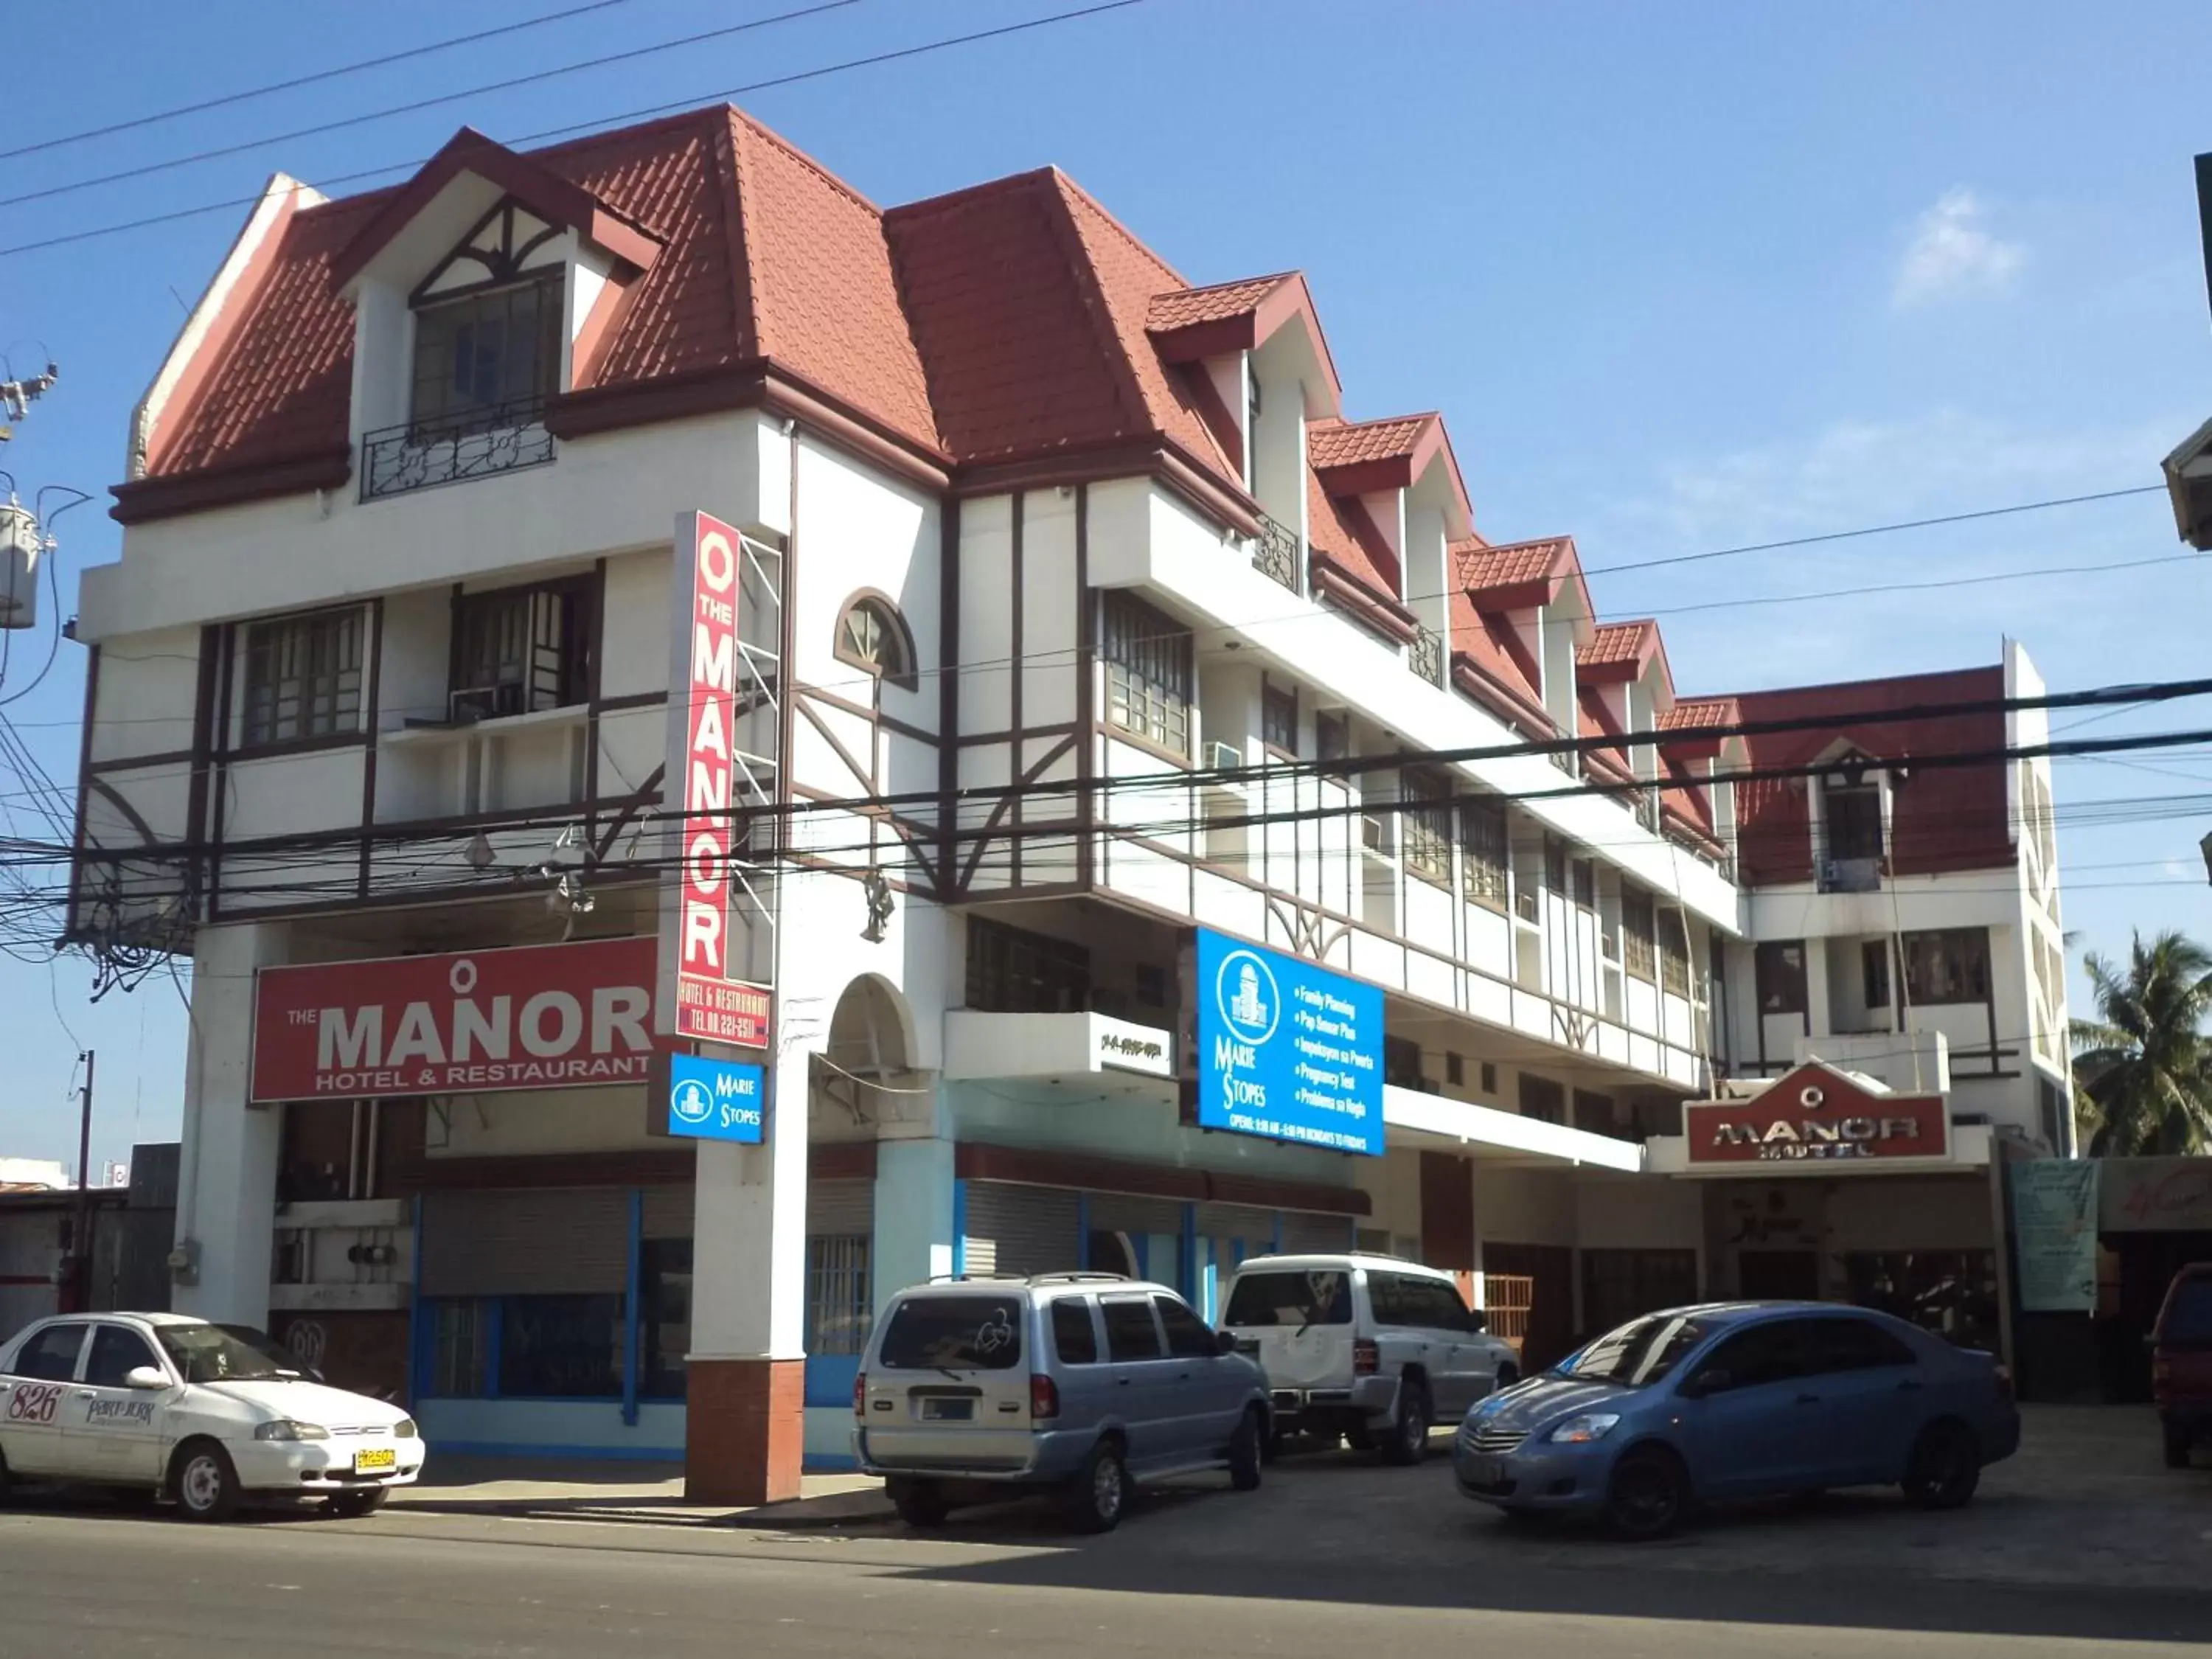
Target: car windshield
[208, 1353]
[1642, 1350]
[2189, 1320]
[1296, 1299]
[953, 1333]
[268, 1347]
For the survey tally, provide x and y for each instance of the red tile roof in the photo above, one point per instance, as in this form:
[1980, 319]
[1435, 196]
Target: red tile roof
[1483, 569]
[1943, 819]
[1498, 673]
[1350, 443]
[1616, 643]
[999, 323]
[1188, 308]
[1696, 713]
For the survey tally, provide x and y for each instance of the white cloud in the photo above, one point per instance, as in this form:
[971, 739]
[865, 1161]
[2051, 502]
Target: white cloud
[1952, 256]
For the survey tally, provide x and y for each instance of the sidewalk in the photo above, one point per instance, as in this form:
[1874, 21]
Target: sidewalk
[535, 1489]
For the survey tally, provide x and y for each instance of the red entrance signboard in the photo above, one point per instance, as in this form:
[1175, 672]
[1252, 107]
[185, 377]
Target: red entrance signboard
[708, 1002]
[534, 1017]
[1815, 1115]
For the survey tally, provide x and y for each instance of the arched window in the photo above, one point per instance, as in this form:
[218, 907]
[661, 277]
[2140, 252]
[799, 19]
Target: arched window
[871, 634]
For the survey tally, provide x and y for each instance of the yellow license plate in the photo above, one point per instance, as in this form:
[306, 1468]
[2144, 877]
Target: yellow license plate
[373, 1462]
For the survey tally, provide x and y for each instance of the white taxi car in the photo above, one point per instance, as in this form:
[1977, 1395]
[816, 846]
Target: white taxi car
[181, 1407]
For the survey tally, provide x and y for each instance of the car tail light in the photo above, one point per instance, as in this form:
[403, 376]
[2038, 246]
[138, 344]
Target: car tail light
[860, 1393]
[1044, 1396]
[1366, 1357]
[2161, 1371]
[2004, 1379]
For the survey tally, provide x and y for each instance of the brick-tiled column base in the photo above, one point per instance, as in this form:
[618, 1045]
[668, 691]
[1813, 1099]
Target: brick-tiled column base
[745, 1429]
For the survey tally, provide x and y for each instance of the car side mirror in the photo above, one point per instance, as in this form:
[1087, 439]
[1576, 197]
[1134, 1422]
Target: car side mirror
[1710, 1381]
[145, 1377]
[1477, 1319]
[1224, 1341]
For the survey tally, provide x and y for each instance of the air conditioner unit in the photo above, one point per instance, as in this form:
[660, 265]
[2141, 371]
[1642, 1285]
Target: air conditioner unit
[472, 703]
[1375, 834]
[1608, 947]
[1224, 757]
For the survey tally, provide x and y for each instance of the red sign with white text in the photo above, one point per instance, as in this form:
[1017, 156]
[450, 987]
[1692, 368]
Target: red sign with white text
[709, 1003]
[534, 1017]
[1816, 1115]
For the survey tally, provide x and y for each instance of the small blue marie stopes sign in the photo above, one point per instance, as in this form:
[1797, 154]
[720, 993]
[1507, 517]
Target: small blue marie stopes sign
[716, 1099]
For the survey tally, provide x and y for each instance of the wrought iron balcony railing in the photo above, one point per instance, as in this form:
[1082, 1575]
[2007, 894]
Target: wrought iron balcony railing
[1275, 553]
[474, 445]
[1426, 656]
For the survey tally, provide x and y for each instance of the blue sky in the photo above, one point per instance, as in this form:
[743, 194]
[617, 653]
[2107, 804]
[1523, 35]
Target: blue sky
[1680, 278]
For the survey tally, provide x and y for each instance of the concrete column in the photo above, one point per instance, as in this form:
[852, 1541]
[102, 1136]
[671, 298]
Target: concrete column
[913, 1215]
[746, 1384]
[226, 1178]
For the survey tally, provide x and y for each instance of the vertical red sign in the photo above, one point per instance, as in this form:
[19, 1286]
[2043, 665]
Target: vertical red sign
[710, 1002]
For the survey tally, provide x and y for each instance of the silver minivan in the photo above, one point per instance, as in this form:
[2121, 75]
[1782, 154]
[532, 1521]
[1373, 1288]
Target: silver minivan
[1090, 1383]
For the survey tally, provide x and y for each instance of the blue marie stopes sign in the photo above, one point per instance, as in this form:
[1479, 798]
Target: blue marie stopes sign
[1287, 1049]
[714, 1099]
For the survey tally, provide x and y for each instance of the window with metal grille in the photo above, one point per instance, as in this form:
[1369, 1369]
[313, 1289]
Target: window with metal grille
[873, 636]
[1278, 717]
[1483, 855]
[840, 1304]
[1584, 873]
[460, 1344]
[1011, 970]
[1618, 1286]
[1333, 735]
[487, 360]
[1543, 1099]
[303, 677]
[1674, 954]
[1947, 964]
[1148, 674]
[1638, 947]
[520, 650]
[1555, 865]
[1426, 827]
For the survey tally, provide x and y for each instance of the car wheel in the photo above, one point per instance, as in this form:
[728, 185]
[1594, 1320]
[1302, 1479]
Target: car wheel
[352, 1506]
[1100, 1491]
[920, 1502]
[1945, 1468]
[1245, 1453]
[2177, 1451]
[1409, 1429]
[4, 1479]
[1648, 1495]
[205, 1482]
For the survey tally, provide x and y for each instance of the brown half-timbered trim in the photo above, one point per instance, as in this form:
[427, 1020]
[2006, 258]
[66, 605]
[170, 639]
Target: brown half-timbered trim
[627, 700]
[637, 800]
[865, 774]
[83, 784]
[1086, 674]
[171, 757]
[1137, 740]
[594, 665]
[369, 720]
[981, 835]
[976, 740]
[861, 711]
[948, 687]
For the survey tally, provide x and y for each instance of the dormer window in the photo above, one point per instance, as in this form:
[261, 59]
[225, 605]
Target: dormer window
[488, 359]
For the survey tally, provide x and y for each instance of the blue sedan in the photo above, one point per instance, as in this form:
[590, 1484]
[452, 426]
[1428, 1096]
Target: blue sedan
[1740, 1400]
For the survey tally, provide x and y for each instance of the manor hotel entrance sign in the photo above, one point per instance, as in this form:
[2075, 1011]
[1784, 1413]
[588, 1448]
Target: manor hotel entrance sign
[1816, 1114]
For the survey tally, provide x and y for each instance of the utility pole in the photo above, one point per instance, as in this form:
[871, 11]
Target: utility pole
[81, 1249]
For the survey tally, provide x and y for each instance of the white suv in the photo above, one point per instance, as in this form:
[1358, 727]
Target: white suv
[1367, 1346]
[184, 1408]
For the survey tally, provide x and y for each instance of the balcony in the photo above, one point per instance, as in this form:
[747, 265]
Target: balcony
[477, 444]
[1424, 656]
[1275, 553]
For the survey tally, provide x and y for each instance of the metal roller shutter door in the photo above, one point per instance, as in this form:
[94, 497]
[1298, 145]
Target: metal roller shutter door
[668, 1211]
[841, 1208]
[1019, 1230]
[1255, 1227]
[1116, 1212]
[526, 1242]
[1314, 1235]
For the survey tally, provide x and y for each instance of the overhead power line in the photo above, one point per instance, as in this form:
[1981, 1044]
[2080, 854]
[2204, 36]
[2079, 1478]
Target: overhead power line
[795, 77]
[336, 72]
[602, 61]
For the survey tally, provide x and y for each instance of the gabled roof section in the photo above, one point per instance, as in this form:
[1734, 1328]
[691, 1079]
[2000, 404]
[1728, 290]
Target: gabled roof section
[1188, 325]
[1695, 714]
[1492, 665]
[1618, 652]
[1519, 576]
[544, 190]
[1027, 302]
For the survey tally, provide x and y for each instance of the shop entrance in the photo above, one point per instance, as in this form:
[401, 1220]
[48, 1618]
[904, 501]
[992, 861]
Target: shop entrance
[1778, 1275]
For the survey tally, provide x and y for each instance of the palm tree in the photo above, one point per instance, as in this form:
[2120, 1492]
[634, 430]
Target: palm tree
[2143, 1071]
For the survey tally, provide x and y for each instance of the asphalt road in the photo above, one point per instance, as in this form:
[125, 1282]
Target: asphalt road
[1334, 1556]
